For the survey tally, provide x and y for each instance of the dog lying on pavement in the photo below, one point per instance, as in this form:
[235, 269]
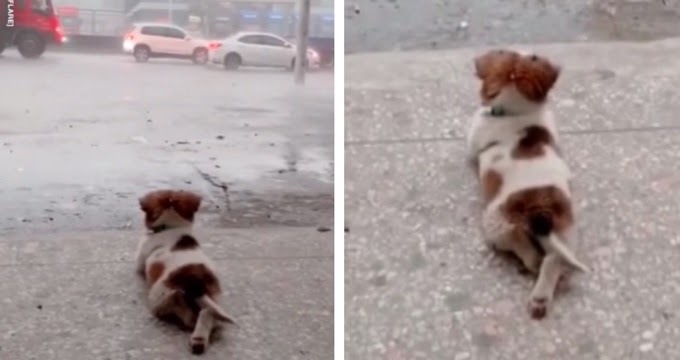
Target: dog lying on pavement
[512, 142]
[181, 278]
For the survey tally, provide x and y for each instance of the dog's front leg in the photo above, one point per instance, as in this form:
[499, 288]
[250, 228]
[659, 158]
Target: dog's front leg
[140, 259]
[542, 295]
[473, 141]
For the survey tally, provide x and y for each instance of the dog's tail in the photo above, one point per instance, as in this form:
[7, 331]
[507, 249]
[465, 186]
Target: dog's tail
[545, 240]
[195, 283]
[207, 302]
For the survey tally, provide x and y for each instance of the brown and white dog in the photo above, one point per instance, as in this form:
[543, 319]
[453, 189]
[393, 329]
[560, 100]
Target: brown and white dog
[181, 278]
[524, 180]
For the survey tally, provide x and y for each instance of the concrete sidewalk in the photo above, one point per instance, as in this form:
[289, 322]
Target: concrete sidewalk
[76, 296]
[419, 282]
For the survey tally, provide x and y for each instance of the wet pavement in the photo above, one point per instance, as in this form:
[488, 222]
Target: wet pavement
[420, 283]
[76, 296]
[83, 136]
[386, 25]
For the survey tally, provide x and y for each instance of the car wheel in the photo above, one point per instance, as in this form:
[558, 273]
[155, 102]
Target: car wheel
[142, 53]
[232, 61]
[30, 45]
[200, 56]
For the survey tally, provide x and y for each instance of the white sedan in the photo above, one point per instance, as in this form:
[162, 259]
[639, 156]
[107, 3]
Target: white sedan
[257, 49]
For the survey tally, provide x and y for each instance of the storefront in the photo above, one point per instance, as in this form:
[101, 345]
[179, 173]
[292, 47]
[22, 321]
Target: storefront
[322, 24]
[280, 24]
[276, 18]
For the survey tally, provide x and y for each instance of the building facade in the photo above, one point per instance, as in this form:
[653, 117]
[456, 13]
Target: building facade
[91, 17]
[219, 19]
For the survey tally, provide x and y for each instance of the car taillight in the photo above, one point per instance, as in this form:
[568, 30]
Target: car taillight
[213, 46]
[129, 37]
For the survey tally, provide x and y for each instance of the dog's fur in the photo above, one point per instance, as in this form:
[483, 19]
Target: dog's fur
[181, 278]
[525, 182]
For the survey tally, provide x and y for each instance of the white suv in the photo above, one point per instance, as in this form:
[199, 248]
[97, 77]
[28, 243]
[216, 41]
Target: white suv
[257, 49]
[164, 41]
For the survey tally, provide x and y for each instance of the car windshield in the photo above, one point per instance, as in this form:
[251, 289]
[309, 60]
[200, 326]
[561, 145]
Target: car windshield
[44, 6]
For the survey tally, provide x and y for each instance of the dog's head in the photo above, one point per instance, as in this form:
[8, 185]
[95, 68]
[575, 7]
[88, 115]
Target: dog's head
[169, 208]
[509, 77]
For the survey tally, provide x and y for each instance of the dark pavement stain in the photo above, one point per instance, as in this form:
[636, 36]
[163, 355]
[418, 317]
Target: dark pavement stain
[484, 341]
[457, 301]
[589, 347]
[417, 261]
[243, 109]
[378, 280]
[605, 74]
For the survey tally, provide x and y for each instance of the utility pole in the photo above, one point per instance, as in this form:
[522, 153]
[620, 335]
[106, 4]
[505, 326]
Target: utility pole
[205, 18]
[170, 12]
[302, 33]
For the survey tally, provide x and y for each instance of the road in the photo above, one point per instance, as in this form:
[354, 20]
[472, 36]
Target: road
[420, 283]
[386, 25]
[83, 136]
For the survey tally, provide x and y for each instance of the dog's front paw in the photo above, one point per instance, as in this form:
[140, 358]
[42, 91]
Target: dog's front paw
[538, 307]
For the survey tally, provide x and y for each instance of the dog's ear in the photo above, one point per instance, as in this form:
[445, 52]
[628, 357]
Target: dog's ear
[484, 64]
[156, 199]
[186, 204]
[536, 76]
[496, 69]
[146, 202]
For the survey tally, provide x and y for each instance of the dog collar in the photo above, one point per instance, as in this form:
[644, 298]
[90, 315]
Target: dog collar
[159, 228]
[497, 111]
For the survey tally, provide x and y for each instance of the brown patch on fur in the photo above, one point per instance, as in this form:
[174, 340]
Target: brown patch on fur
[185, 203]
[186, 242]
[548, 200]
[155, 272]
[491, 184]
[194, 280]
[533, 143]
[533, 75]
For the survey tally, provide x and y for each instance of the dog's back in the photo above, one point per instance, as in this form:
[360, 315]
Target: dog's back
[182, 280]
[524, 180]
[528, 158]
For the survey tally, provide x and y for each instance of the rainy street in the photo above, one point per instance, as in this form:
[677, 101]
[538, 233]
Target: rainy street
[82, 137]
[258, 147]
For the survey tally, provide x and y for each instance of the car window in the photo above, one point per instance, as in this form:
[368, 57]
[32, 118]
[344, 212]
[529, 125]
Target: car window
[175, 33]
[272, 41]
[250, 39]
[153, 30]
[39, 5]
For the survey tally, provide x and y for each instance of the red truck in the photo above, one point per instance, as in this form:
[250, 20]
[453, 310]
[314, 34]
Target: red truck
[29, 25]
